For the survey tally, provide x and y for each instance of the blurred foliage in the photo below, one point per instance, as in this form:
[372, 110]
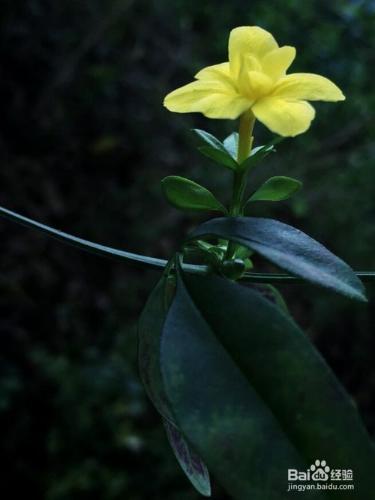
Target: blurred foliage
[84, 142]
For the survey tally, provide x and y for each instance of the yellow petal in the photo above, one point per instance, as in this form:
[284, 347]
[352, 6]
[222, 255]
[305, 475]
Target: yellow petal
[250, 63]
[254, 85]
[212, 98]
[248, 40]
[276, 62]
[307, 86]
[286, 118]
[218, 72]
[213, 72]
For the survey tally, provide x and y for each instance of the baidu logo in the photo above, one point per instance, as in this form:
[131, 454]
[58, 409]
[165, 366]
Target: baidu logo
[320, 476]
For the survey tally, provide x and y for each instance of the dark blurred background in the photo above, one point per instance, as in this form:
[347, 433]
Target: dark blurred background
[84, 143]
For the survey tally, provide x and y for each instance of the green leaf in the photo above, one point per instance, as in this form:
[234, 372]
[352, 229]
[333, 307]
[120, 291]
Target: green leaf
[288, 248]
[276, 189]
[150, 328]
[189, 461]
[231, 144]
[257, 155]
[253, 396]
[215, 149]
[185, 194]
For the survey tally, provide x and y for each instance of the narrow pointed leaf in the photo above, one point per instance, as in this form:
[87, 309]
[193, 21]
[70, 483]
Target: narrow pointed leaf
[223, 158]
[189, 461]
[231, 144]
[215, 149]
[150, 327]
[185, 194]
[276, 189]
[288, 248]
[257, 155]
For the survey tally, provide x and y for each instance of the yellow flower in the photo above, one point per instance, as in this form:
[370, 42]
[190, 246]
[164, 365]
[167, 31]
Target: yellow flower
[255, 79]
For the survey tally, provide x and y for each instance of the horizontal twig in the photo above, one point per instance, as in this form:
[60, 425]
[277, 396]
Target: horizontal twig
[151, 262]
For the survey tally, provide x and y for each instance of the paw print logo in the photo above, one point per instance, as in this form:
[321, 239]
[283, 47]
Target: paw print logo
[320, 470]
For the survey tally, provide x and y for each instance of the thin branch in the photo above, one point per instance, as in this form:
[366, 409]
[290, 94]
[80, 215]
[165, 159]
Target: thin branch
[151, 262]
[96, 248]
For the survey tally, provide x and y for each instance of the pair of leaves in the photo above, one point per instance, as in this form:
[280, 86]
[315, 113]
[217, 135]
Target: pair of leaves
[288, 248]
[252, 395]
[185, 194]
[225, 153]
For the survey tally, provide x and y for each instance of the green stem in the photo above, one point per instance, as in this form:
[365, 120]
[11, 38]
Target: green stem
[239, 187]
[152, 262]
[245, 141]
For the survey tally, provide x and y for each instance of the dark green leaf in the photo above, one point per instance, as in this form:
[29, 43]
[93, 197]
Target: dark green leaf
[189, 461]
[150, 328]
[252, 394]
[209, 140]
[276, 189]
[260, 152]
[215, 149]
[185, 194]
[257, 155]
[218, 410]
[288, 248]
[271, 293]
[223, 158]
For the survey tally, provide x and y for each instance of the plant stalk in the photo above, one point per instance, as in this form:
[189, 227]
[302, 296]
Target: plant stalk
[245, 142]
[152, 262]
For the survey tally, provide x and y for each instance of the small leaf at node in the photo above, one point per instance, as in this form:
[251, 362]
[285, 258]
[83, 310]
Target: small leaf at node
[231, 144]
[276, 189]
[215, 149]
[288, 248]
[185, 194]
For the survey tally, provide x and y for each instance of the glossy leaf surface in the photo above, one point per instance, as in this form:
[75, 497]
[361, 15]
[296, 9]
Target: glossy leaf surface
[252, 394]
[288, 248]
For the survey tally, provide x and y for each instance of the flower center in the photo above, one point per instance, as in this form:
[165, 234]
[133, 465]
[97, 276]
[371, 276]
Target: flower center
[252, 82]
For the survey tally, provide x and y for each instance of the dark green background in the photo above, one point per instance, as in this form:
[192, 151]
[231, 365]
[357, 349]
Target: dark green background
[84, 142]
